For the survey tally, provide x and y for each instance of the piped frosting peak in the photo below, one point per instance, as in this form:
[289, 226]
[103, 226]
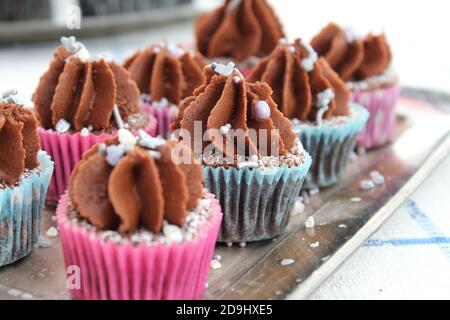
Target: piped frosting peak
[166, 71]
[304, 86]
[238, 29]
[127, 183]
[19, 141]
[226, 103]
[354, 58]
[83, 92]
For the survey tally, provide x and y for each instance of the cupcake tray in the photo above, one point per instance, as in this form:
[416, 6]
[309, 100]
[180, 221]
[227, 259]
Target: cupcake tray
[295, 264]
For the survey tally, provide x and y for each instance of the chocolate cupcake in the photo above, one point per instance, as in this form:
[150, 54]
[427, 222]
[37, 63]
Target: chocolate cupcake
[165, 74]
[239, 31]
[365, 64]
[316, 100]
[80, 101]
[252, 160]
[25, 173]
[137, 221]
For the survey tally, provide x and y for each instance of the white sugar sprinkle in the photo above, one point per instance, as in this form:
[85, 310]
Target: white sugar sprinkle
[224, 130]
[315, 244]
[247, 164]
[377, 178]
[310, 222]
[14, 292]
[215, 264]
[44, 242]
[51, 232]
[149, 142]
[127, 139]
[356, 199]
[242, 244]
[173, 233]
[299, 207]
[155, 154]
[62, 126]
[342, 226]
[367, 185]
[114, 153]
[84, 132]
[225, 70]
[287, 262]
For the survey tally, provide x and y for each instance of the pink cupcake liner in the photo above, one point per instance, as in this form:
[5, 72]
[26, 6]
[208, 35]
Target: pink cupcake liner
[163, 117]
[380, 128]
[66, 151]
[111, 271]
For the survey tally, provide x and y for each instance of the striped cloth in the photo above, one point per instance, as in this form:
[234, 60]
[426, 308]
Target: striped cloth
[409, 257]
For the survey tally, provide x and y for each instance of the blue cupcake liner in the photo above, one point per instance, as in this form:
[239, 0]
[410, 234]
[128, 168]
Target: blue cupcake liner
[330, 147]
[256, 203]
[21, 210]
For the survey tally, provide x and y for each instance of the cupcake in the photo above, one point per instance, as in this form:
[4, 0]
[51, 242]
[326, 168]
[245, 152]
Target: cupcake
[165, 74]
[137, 221]
[239, 31]
[316, 100]
[365, 64]
[25, 173]
[79, 102]
[251, 158]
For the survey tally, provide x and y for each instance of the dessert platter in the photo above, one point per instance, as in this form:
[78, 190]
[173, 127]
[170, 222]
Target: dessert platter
[249, 167]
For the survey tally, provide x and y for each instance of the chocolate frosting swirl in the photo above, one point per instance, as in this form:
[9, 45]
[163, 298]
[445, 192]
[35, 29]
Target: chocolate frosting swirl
[353, 59]
[238, 29]
[166, 71]
[125, 184]
[300, 82]
[19, 142]
[84, 92]
[226, 100]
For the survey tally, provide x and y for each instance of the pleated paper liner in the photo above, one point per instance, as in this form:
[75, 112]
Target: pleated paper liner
[330, 146]
[66, 150]
[20, 212]
[256, 204]
[140, 272]
[380, 103]
[163, 118]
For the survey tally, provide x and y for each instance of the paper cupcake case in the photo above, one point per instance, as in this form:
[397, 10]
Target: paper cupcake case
[139, 272]
[330, 147]
[66, 151]
[380, 103]
[162, 116]
[21, 210]
[256, 206]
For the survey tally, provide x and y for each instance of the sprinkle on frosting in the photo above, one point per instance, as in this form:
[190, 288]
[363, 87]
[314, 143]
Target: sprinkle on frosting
[238, 29]
[83, 92]
[166, 71]
[301, 92]
[262, 110]
[353, 58]
[127, 189]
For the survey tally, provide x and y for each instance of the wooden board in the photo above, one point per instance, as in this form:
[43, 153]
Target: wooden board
[342, 222]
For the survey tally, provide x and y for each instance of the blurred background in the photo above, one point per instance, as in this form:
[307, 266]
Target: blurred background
[30, 30]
